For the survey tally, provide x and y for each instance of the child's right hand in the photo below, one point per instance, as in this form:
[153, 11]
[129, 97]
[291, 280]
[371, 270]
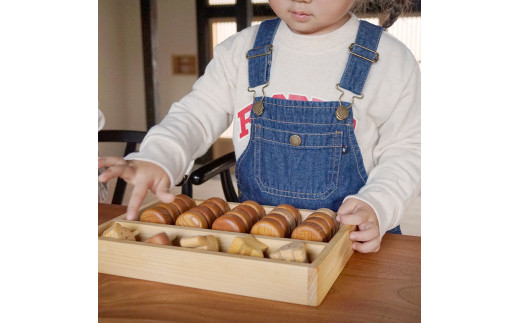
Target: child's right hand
[143, 175]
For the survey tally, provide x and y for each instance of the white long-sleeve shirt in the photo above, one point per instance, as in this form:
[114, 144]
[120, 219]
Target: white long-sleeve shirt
[387, 119]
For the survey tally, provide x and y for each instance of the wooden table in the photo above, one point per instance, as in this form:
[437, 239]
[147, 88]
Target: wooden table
[378, 287]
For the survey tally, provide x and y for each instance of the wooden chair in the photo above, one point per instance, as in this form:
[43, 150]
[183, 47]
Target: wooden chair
[219, 166]
[131, 138]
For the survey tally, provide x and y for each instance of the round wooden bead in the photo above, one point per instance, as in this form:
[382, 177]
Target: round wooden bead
[157, 214]
[213, 207]
[322, 223]
[309, 231]
[287, 214]
[229, 222]
[192, 218]
[294, 211]
[221, 203]
[248, 221]
[174, 211]
[268, 227]
[206, 211]
[333, 215]
[180, 204]
[324, 217]
[282, 220]
[188, 200]
[250, 210]
[259, 209]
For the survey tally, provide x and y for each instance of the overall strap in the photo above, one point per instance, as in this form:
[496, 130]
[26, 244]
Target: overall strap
[363, 53]
[260, 57]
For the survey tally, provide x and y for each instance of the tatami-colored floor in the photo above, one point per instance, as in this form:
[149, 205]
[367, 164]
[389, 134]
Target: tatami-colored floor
[410, 225]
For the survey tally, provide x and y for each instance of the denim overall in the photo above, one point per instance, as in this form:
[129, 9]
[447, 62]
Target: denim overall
[304, 153]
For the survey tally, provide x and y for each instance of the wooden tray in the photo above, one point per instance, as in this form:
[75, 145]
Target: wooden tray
[305, 284]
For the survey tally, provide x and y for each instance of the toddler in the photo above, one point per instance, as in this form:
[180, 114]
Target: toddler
[325, 111]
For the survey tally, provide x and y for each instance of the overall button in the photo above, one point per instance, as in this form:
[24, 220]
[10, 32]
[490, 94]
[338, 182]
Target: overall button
[295, 140]
[258, 107]
[341, 112]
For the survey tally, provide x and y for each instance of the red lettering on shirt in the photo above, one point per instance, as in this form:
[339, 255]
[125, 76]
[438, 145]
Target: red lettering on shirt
[297, 97]
[244, 121]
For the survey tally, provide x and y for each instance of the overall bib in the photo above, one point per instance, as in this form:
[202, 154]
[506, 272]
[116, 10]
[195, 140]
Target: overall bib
[304, 153]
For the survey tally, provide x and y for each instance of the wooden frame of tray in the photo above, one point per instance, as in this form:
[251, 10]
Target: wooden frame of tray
[300, 283]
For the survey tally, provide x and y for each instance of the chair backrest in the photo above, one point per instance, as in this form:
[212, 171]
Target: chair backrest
[131, 138]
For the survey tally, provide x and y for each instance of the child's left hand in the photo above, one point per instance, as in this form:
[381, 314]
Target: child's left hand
[357, 212]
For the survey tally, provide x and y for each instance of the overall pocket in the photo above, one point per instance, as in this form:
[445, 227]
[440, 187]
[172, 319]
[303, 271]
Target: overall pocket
[297, 164]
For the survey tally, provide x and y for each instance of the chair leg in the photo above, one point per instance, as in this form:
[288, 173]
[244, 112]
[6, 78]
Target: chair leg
[119, 192]
[187, 189]
[227, 186]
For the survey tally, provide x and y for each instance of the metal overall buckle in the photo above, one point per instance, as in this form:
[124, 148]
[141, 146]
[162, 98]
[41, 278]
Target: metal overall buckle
[342, 111]
[368, 49]
[258, 106]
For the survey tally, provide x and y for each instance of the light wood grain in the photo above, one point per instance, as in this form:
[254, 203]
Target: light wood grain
[378, 287]
[236, 274]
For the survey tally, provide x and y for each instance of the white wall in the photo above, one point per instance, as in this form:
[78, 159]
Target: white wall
[177, 35]
[120, 66]
[120, 63]
[121, 80]
[120, 60]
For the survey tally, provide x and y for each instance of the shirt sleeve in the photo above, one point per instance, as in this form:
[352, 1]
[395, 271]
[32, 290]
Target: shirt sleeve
[195, 122]
[395, 180]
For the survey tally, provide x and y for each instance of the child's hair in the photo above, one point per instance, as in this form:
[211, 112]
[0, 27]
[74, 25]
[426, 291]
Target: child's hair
[393, 8]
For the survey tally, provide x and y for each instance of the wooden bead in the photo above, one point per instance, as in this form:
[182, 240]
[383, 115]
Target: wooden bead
[250, 210]
[192, 218]
[333, 215]
[324, 217]
[187, 200]
[294, 211]
[322, 223]
[229, 222]
[309, 231]
[287, 214]
[213, 207]
[174, 211]
[206, 211]
[259, 209]
[224, 206]
[156, 214]
[180, 204]
[248, 221]
[268, 227]
[282, 221]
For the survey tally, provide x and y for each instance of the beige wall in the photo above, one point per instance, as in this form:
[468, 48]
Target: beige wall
[120, 64]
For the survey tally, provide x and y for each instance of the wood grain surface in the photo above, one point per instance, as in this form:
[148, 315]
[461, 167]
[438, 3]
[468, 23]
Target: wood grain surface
[378, 287]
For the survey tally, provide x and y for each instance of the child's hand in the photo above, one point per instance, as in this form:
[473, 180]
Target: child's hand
[357, 212]
[143, 175]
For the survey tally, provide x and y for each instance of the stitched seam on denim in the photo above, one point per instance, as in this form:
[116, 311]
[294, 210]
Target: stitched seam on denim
[242, 157]
[264, 74]
[303, 107]
[346, 72]
[267, 189]
[338, 158]
[355, 156]
[307, 123]
[295, 147]
[297, 197]
[271, 189]
[363, 80]
[302, 133]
